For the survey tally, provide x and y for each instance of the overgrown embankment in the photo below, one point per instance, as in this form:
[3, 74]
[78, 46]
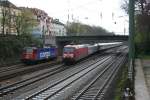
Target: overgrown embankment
[121, 84]
[11, 47]
[142, 35]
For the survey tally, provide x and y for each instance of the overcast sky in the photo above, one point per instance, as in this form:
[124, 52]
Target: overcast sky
[93, 12]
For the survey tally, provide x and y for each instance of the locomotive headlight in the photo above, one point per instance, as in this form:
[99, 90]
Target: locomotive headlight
[68, 55]
[71, 55]
[64, 55]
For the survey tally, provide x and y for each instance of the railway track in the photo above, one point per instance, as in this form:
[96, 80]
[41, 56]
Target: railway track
[94, 90]
[6, 90]
[53, 89]
[20, 69]
[12, 87]
[4, 69]
[64, 76]
[106, 86]
[10, 72]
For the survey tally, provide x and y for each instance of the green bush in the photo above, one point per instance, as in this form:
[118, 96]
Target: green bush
[12, 46]
[142, 34]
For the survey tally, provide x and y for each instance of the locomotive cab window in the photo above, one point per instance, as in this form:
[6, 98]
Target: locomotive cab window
[68, 49]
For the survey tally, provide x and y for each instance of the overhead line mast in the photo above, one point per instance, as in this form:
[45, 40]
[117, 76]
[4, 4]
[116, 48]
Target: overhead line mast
[131, 37]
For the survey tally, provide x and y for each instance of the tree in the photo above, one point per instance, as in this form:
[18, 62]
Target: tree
[5, 13]
[125, 5]
[87, 30]
[142, 25]
[24, 22]
[140, 6]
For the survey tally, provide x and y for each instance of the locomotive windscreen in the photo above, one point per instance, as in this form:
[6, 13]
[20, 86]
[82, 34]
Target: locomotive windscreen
[29, 49]
[68, 49]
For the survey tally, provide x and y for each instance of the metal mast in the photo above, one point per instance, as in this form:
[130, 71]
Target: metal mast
[131, 36]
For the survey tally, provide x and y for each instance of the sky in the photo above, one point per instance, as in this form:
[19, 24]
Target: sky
[104, 13]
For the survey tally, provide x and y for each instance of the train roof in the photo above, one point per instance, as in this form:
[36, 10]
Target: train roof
[110, 43]
[30, 47]
[76, 46]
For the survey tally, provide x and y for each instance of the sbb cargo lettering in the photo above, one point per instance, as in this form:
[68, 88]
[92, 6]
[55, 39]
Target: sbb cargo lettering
[44, 54]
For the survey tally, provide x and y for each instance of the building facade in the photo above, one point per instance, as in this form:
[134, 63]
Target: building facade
[8, 13]
[58, 28]
[45, 25]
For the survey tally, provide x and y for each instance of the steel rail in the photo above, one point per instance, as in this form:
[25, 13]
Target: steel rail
[47, 88]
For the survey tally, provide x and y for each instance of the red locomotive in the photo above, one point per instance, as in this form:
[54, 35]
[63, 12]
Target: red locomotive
[72, 53]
